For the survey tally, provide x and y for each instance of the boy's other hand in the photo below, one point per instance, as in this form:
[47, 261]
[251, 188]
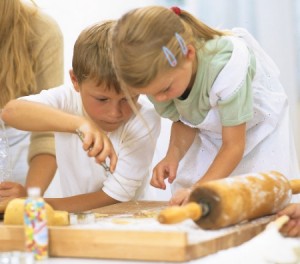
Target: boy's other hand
[11, 190]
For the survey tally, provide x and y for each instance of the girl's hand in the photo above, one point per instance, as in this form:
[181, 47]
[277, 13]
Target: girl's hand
[292, 227]
[166, 168]
[11, 190]
[97, 144]
[180, 197]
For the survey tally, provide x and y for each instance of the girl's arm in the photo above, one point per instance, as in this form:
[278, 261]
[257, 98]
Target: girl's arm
[181, 139]
[229, 155]
[82, 202]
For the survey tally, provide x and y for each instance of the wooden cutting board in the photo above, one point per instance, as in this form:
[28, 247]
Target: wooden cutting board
[132, 244]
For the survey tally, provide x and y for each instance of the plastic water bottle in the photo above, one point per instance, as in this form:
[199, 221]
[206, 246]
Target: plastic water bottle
[5, 166]
[35, 221]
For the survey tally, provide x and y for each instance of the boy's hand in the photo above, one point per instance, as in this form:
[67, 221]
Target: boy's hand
[292, 227]
[97, 144]
[166, 168]
[11, 190]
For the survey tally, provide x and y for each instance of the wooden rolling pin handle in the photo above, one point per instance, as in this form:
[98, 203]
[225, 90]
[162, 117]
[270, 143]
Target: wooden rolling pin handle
[176, 214]
[295, 186]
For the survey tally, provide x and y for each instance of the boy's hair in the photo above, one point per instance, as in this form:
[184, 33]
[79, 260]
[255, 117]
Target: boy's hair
[139, 36]
[17, 58]
[92, 56]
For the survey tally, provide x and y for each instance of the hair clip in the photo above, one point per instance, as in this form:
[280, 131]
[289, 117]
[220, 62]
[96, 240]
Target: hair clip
[181, 44]
[170, 56]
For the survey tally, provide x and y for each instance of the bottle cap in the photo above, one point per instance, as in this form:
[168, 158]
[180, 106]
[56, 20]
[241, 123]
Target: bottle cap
[34, 192]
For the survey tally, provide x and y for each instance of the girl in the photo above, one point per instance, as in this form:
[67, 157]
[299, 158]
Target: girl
[219, 88]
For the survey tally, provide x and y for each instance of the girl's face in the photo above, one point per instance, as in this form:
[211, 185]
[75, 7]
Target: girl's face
[108, 109]
[171, 84]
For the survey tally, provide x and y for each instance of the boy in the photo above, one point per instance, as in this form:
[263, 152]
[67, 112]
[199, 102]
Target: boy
[97, 108]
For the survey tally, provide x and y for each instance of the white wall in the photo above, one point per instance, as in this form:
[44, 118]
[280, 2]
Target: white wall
[74, 15]
[280, 42]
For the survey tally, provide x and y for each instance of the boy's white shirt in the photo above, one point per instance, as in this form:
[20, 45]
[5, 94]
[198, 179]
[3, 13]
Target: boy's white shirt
[134, 143]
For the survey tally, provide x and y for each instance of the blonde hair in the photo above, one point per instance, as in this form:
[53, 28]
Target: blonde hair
[138, 38]
[17, 58]
[92, 56]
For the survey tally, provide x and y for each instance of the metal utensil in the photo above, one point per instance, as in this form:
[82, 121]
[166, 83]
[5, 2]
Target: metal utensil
[81, 136]
[104, 165]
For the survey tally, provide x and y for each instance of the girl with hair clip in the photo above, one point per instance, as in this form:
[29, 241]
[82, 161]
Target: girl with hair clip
[221, 90]
[31, 58]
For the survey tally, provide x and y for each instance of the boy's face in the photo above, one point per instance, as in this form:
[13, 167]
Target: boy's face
[108, 109]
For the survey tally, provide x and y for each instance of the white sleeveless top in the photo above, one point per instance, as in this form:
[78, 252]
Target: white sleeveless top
[269, 143]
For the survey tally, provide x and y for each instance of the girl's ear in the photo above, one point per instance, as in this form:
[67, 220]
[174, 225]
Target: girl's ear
[74, 80]
[191, 53]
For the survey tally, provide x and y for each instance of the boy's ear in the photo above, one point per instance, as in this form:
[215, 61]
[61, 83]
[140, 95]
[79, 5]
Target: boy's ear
[74, 80]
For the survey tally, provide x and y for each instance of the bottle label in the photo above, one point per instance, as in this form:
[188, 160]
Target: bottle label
[36, 230]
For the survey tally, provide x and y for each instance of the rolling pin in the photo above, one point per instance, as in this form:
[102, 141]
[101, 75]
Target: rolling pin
[221, 203]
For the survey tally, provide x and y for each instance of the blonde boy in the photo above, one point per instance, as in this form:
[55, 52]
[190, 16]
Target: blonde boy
[96, 106]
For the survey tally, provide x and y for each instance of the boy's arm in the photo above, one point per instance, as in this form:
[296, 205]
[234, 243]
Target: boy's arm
[229, 155]
[32, 116]
[41, 171]
[82, 202]
[41, 160]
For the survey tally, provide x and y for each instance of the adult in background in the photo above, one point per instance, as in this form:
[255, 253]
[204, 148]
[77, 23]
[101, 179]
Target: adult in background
[31, 58]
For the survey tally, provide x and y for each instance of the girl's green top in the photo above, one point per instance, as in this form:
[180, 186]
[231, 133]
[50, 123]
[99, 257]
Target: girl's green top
[233, 110]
